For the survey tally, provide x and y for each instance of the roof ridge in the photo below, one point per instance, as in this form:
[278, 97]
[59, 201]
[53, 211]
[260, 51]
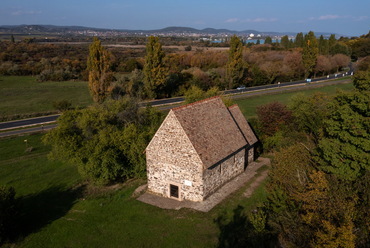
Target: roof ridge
[194, 103]
[233, 106]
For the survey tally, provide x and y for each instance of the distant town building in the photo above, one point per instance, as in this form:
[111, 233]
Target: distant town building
[197, 149]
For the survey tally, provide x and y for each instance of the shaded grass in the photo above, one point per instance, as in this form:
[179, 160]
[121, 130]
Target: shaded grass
[31, 172]
[248, 106]
[24, 95]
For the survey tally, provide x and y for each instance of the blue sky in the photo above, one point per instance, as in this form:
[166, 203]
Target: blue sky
[350, 17]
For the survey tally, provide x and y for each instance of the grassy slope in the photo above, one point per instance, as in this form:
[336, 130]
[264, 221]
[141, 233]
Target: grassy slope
[248, 105]
[56, 215]
[21, 95]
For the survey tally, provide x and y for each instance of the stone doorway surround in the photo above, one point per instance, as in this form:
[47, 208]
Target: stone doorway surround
[215, 198]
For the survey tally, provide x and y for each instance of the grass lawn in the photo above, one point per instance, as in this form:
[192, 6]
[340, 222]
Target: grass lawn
[248, 105]
[24, 95]
[58, 211]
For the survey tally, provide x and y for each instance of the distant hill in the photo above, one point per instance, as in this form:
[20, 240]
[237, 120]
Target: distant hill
[79, 30]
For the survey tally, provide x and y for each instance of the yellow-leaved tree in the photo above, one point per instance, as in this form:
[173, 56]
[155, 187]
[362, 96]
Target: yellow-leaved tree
[100, 75]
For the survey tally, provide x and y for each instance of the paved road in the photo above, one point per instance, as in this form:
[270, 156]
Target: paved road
[28, 122]
[28, 130]
[176, 100]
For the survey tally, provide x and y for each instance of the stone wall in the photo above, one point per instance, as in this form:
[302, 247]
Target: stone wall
[217, 175]
[250, 155]
[172, 159]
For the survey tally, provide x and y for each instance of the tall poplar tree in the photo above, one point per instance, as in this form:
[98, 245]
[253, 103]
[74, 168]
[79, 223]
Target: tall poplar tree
[299, 40]
[235, 68]
[285, 41]
[100, 76]
[332, 40]
[310, 53]
[323, 46]
[155, 72]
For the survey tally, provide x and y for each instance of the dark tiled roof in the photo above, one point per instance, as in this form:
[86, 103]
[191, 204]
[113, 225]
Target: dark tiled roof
[211, 129]
[243, 124]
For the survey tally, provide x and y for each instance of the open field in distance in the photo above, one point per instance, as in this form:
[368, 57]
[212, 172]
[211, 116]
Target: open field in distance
[24, 95]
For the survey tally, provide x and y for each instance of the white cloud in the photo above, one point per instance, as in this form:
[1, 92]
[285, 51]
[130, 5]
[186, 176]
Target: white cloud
[335, 17]
[231, 20]
[255, 20]
[329, 17]
[28, 12]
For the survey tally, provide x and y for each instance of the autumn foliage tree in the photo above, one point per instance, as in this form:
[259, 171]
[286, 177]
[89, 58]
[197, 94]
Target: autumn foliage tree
[319, 191]
[273, 117]
[155, 71]
[100, 76]
[235, 68]
[310, 53]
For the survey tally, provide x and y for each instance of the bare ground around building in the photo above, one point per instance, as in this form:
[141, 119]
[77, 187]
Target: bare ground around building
[249, 175]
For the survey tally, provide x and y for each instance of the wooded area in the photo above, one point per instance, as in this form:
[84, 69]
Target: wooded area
[204, 67]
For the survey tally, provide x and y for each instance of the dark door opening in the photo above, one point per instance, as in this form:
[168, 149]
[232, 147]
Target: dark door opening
[174, 191]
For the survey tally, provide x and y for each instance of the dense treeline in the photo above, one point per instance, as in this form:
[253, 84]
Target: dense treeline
[272, 62]
[318, 187]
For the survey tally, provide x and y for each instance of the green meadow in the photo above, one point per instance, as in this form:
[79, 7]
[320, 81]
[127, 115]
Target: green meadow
[248, 105]
[24, 95]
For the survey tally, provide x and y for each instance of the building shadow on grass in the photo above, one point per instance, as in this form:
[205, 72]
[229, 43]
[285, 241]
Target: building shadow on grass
[240, 232]
[41, 209]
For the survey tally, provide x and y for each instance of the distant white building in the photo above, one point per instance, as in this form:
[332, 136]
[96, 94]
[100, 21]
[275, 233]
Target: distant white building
[251, 35]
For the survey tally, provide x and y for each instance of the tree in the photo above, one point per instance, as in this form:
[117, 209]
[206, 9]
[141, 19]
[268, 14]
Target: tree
[268, 40]
[310, 113]
[194, 93]
[310, 53]
[360, 47]
[332, 40]
[361, 80]
[12, 40]
[323, 46]
[105, 141]
[329, 210]
[340, 61]
[345, 148]
[273, 116]
[323, 65]
[100, 76]
[155, 72]
[288, 177]
[285, 43]
[299, 40]
[235, 68]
